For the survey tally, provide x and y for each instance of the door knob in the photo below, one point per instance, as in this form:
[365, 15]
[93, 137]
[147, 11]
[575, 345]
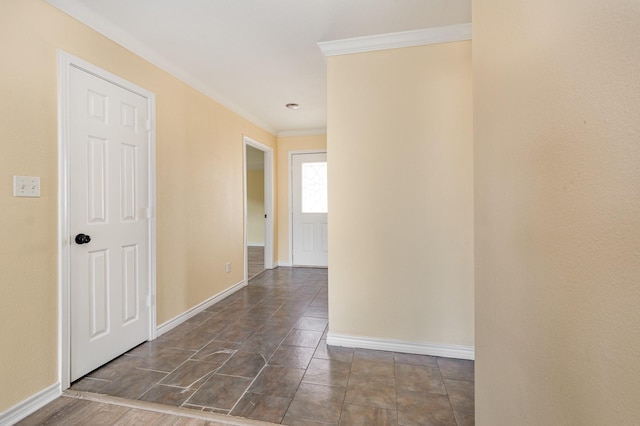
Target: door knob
[82, 239]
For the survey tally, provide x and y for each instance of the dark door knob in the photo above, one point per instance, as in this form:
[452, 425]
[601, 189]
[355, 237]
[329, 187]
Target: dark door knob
[82, 239]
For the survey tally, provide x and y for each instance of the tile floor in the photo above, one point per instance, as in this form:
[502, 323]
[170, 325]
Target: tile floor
[262, 354]
[71, 410]
[255, 260]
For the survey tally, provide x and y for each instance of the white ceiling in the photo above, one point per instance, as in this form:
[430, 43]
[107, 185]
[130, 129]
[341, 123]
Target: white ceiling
[255, 56]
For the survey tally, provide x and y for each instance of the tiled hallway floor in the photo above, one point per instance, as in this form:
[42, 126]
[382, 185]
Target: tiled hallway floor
[262, 354]
[255, 261]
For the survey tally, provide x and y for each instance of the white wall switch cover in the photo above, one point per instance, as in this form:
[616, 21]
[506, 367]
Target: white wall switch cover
[26, 186]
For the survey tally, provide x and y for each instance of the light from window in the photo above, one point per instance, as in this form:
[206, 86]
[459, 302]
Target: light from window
[314, 187]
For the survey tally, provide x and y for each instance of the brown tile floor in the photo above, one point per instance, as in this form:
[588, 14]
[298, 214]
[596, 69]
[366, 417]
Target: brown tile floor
[255, 260]
[262, 354]
[92, 410]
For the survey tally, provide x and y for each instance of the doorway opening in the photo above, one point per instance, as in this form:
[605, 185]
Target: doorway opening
[258, 190]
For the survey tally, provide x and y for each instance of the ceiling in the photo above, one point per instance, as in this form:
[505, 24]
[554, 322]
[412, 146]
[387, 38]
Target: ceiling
[255, 56]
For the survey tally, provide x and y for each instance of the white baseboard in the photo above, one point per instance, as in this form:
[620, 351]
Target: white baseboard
[283, 263]
[176, 321]
[30, 405]
[434, 349]
[255, 244]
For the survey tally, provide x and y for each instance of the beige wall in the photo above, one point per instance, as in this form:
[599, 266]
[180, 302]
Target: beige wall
[557, 190]
[285, 146]
[197, 231]
[401, 194]
[255, 207]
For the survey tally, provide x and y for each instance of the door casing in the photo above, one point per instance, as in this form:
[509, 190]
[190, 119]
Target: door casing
[268, 202]
[65, 62]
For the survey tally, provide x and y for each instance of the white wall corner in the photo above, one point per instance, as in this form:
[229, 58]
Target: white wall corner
[447, 34]
[179, 319]
[433, 349]
[30, 405]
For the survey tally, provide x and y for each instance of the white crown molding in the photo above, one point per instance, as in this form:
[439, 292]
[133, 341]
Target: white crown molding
[433, 349]
[308, 132]
[435, 35]
[30, 405]
[105, 27]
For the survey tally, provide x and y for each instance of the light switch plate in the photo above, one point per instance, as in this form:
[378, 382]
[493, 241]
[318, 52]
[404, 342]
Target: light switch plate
[26, 186]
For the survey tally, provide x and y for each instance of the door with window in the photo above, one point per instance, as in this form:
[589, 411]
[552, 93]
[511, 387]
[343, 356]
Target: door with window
[309, 209]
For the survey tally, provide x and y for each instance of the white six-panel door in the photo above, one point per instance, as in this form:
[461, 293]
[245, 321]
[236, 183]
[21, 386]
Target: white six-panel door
[309, 209]
[109, 202]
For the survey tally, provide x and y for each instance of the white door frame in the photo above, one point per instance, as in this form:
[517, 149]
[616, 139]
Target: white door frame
[268, 202]
[290, 190]
[65, 63]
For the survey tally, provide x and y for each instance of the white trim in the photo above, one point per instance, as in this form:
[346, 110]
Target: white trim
[284, 264]
[255, 244]
[105, 27]
[426, 36]
[208, 417]
[434, 349]
[269, 209]
[179, 319]
[307, 132]
[30, 405]
[65, 62]
[289, 262]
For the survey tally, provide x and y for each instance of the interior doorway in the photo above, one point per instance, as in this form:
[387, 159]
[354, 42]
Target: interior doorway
[258, 173]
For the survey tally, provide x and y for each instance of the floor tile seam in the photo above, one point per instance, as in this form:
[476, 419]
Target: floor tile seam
[238, 377]
[451, 404]
[249, 386]
[234, 351]
[431, 393]
[175, 387]
[181, 364]
[202, 407]
[211, 375]
[196, 390]
[303, 374]
[347, 386]
[150, 387]
[344, 398]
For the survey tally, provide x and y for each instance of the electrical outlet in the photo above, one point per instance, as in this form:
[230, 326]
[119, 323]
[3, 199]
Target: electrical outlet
[228, 267]
[26, 186]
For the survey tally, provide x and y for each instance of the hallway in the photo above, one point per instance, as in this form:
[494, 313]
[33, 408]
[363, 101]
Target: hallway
[262, 354]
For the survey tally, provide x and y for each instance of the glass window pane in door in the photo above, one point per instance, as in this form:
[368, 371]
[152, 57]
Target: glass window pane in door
[314, 187]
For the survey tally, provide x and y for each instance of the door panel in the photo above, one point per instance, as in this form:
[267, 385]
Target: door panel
[130, 305]
[108, 199]
[98, 307]
[309, 210]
